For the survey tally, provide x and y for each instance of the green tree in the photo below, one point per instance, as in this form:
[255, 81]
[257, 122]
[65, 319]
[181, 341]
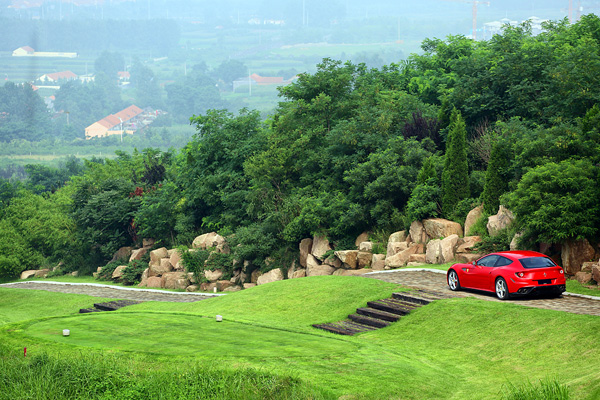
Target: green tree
[556, 202]
[455, 177]
[497, 176]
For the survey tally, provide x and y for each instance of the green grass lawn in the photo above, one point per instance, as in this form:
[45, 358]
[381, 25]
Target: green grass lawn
[450, 349]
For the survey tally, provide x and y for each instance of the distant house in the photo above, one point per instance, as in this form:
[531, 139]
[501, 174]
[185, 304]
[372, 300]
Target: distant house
[27, 51]
[124, 76]
[124, 121]
[23, 52]
[54, 77]
[256, 79]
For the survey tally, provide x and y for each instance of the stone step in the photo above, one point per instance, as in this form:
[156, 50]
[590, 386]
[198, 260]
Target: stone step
[115, 305]
[88, 310]
[370, 321]
[345, 327]
[390, 306]
[412, 298]
[379, 314]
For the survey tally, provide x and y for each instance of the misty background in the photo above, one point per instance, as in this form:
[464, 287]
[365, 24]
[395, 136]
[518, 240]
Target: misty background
[89, 59]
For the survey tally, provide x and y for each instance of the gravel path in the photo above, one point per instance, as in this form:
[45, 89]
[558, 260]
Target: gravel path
[435, 280]
[112, 292]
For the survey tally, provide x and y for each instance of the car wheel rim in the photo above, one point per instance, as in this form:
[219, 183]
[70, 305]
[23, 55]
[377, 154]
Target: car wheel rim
[452, 280]
[501, 288]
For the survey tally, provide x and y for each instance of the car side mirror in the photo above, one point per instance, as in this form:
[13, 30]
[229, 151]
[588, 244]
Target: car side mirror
[474, 263]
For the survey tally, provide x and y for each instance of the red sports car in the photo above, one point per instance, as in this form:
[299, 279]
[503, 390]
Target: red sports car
[509, 273]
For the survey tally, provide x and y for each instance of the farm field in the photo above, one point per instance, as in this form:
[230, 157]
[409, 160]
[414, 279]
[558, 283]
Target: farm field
[450, 349]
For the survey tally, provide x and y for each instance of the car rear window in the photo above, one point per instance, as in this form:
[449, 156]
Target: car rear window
[537, 262]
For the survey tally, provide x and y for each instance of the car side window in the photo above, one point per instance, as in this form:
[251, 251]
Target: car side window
[503, 261]
[488, 261]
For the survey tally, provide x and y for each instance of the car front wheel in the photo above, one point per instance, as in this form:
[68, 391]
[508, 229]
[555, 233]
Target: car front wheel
[502, 289]
[453, 281]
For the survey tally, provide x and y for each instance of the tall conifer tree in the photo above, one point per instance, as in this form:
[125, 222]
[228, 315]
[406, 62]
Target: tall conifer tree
[455, 177]
[496, 182]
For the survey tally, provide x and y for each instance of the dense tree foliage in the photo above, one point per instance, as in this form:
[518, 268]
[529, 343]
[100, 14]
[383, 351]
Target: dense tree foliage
[513, 121]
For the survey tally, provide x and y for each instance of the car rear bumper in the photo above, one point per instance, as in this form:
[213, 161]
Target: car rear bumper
[550, 289]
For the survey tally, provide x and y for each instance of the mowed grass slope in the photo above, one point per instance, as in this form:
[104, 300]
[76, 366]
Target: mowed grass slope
[450, 349]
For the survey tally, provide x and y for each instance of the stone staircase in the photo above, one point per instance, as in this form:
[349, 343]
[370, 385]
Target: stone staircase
[381, 313]
[109, 306]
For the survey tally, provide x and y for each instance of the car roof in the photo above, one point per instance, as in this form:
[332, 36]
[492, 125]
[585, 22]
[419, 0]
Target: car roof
[518, 254]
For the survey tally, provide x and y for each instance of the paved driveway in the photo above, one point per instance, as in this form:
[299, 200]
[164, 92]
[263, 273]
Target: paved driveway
[436, 281]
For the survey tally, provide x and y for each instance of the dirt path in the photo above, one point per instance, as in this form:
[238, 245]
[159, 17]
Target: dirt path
[98, 290]
[436, 281]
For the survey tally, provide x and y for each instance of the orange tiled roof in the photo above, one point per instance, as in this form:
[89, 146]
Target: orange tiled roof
[266, 80]
[56, 76]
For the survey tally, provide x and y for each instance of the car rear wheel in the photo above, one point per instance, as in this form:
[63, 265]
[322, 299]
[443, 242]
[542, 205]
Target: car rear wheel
[502, 289]
[453, 281]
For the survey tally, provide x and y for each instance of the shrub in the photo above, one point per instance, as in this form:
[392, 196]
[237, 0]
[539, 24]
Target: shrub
[194, 261]
[107, 271]
[479, 228]
[133, 273]
[500, 242]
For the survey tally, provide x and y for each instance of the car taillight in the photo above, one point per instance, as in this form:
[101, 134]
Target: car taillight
[520, 274]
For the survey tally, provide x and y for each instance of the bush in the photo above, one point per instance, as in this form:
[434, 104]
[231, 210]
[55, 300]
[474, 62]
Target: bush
[479, 228]
[107, 271]
[500, 242]
[132, 275]
[194, 261]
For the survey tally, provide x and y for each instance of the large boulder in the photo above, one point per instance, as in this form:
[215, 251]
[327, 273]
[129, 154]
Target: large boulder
[437, 228]
[305, 250]
[394, 248]
[176, 280]
[596, 273]
[122, 254]
[162, 266]
[333, 261]
[349, 258]
[587, 266]
[583, 277]
[299, 273]
[318, 270]
[363, 237]
[42, 273]
[118, 272]
[502, 220]
[366, 246]
[158, 254]
[468, 242]
[352, 272]
[208, 240]
[417, 258]
[399, 236]
[378, 262]
[28, 274]
[144, 280]
[255, 275]
[514, 243]
[417, 232]
[472, 217]
[574, 253]
[271, 276]
[440, 251]
[364, 259]
[175, 259]
[156, 282]
[320, 246]
[213, 276]
[138, 254]
[400, 259]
